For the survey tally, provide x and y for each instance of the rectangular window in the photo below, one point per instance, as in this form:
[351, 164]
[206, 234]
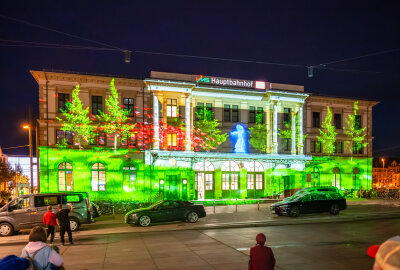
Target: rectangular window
[129, 105]
[171, 139]
[235, 113]
[97, 105]
[316, 147]
[200, 111]
[172, 107]
[41, 201]
[339, 147]
[62, 101]
[67, 135]
[227, 113]
[260, 115]
[316, 122]
[337, 120]
[234, 181]
[225, 182]
[287, 144]
[287, 115]
[358, 123]
[209, 181]
[358, 148]
[259, 181]
[252, 114]
[209, 111]
[250, 181]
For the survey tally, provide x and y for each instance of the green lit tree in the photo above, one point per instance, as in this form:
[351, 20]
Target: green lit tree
[327, 134]
[258, 135]
[114, 122]
[77, 119]
[285, 133]
[354, 132]
[206, 132]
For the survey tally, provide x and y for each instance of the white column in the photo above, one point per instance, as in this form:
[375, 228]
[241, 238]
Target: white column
[301, 145]
[293, 133]
[156, 110]
[275, 133]
[188, 145]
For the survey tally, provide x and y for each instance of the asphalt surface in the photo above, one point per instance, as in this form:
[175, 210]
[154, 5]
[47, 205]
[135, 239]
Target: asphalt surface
[305, 246]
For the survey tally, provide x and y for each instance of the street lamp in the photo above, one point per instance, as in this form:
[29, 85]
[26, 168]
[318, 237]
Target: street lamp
[28, 127]
[383, 162]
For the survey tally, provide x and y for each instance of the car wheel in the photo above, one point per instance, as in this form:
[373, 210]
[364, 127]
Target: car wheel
[6, 229]
[74, 224]
[192, 217]
[335, 209]
[294, 211]
[279, 213]
[144, 221]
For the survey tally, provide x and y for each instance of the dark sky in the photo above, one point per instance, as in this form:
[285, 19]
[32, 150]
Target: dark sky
[293, 32]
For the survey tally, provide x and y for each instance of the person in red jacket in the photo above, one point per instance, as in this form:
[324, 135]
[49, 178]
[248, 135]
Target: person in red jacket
[49, 221]
[261, 257]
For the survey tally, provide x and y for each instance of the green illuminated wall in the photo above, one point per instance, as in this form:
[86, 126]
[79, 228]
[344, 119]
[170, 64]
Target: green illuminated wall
[148, 178]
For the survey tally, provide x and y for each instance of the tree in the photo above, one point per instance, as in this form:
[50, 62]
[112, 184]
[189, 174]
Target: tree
[206, 134]
[258, 135]
[6, 172]
[354, 131]
[77, 119]
[328, 134]
[114, 121]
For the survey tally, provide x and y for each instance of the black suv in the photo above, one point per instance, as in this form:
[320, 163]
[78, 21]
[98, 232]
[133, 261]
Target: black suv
[310, 202]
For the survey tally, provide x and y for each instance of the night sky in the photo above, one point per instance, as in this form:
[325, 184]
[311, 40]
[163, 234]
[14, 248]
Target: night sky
[301, 33]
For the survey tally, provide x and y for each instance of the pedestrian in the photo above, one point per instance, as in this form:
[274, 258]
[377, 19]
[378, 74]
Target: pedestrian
[50, 222]
[38, 253]
[261, 256]
[63, 223]
[387, 255]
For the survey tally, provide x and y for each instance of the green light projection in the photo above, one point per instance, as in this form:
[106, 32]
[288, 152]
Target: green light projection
[179, 182]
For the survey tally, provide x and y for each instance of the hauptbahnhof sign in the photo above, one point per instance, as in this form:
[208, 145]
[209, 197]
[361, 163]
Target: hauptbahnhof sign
[230, 82]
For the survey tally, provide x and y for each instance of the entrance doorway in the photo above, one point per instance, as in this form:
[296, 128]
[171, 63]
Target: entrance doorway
[172, 187]
[204, 180]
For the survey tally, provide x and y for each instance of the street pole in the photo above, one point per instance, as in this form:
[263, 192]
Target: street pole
[37, 156]
[30, 156]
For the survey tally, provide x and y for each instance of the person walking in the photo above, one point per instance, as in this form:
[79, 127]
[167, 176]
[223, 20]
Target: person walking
[261, 257]
[37, 252]
[63, 223]
[50, 222]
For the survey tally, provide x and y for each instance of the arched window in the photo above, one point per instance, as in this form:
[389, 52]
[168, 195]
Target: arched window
[230, 175]
[254, 177]
[98, 177]
[336, 178]
[204, 180]
[65, 182]
[129, 178]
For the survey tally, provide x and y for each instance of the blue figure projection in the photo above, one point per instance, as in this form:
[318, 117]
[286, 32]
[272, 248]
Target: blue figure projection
[240, 136]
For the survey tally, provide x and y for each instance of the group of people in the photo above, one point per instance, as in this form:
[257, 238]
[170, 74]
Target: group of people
[36, 253]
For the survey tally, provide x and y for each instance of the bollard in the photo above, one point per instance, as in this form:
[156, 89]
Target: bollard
[214, 206]
[258, 204]
[236, 205]
[113, 209]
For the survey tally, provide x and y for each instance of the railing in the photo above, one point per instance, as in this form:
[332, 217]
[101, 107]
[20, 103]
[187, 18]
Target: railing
[236, 202]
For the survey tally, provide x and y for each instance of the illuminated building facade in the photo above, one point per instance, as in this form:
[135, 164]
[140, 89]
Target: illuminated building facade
[163, 158]
[386, 178]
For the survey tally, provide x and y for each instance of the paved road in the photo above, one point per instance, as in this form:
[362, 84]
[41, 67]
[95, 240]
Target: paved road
[306, 246]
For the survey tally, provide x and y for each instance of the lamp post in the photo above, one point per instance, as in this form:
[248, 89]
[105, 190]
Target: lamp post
[28, 127]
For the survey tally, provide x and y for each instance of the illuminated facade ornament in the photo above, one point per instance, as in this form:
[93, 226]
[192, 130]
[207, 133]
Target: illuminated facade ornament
[240, 138]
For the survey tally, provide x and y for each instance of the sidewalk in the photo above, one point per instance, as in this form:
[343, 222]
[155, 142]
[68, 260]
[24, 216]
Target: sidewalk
[237, 217]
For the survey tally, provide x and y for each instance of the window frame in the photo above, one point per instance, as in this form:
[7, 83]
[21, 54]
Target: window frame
[62, 102]
[172, 109]
[235, 113]
[315, 123]
[252, 114]
[337, 117]
[97, 104]
[227, 113]
[66, 169]
[130, 107]
[99, 172]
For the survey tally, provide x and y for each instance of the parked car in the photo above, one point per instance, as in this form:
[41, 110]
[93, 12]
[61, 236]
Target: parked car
[310, 202]
[26, 211]
[167, 210]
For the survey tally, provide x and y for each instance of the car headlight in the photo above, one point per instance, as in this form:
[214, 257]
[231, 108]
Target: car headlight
[133, 215]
